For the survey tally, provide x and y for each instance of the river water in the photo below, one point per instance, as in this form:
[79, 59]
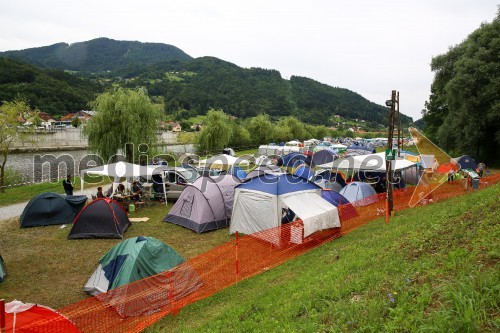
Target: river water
[43, 166]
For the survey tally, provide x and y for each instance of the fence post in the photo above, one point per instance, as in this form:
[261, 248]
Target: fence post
[171, 293]
[236, 263]
[2, 316]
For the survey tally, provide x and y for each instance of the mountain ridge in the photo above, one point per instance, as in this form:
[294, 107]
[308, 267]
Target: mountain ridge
[190, 86]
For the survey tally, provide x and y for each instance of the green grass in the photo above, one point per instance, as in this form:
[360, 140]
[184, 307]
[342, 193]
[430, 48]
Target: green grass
[431, 269]
[44, 267]
[25, 193]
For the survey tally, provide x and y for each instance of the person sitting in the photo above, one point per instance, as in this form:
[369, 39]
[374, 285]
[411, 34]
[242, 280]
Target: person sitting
[120, 190]
[99, 193]
[136, 191]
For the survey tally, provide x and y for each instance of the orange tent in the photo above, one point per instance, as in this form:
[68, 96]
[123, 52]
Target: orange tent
[27, 317]
[445, 168]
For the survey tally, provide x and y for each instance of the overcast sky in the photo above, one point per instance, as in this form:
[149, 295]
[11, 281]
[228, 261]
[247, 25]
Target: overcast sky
[368, 46]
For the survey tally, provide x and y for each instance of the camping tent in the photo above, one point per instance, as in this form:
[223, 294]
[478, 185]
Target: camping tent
[223, 161]
[371, 162]
[118, 279]
[131, 260]
[323, 156]
[238, 172]
[263, 169]
[258, 204]
[76, 202]
[359, 193]
[466, 162]
[292, 160]
[3, 270]
[364, 150]
[47, 209]
[346, 210]
[102, 218]
[331, 175]
[304, 171]
[206, 204]
[328, 184]
[26, 317]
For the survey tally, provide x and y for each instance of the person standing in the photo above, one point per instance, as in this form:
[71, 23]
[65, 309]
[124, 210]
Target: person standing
[68, 186]
[480, 169]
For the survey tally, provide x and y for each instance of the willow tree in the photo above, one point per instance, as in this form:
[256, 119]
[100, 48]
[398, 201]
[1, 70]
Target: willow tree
[10, 112]
[216, 132]
[125, 119]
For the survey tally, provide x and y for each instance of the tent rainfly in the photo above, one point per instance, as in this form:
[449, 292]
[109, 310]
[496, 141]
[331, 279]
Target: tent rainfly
[206, 204]
[102, 218]
[223, 161]
[359, 193]
[370, 162]
[258, 204]
[49, 209]
[27, 317]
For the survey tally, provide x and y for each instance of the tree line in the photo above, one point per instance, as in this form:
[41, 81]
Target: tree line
[463, 112]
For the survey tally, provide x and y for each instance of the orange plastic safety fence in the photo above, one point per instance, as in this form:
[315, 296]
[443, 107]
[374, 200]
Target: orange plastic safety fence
[135, 306]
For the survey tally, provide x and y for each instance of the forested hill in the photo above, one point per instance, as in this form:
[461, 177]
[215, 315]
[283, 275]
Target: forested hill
[189, 87]
[97, 55]
[49, 90]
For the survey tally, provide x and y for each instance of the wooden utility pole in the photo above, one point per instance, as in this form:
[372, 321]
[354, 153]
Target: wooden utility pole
[388, 162]
[400, 131]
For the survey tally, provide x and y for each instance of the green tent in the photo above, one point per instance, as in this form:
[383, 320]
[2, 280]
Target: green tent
[135, 259]
[131, 260]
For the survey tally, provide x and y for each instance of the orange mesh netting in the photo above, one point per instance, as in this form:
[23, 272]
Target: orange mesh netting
[133, 307]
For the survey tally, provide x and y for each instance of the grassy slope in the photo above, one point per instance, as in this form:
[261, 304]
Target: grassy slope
[432, 269]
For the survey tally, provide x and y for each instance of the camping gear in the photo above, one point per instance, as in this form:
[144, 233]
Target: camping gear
[223, 162]
[76, 202]
[46, 209]
[447, 167]
[259, 202]
[346, 210]
[323, 156]
[131, 207]
[466, 162]
[475, 183]
[3, 270]
[370, 162]
[238, 172]
[206, 204]
[133, 260]
[292, 160]
[102, 218]
[27, 317]
[336, 176]
[263, 169]
[359, 193]
[304, 171]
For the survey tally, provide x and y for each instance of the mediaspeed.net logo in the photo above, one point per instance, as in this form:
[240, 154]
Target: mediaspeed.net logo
[437, 166]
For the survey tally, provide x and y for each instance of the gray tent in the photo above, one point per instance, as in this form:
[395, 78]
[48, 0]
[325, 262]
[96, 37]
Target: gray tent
[206, 204]
[49, 209]
[3, 270]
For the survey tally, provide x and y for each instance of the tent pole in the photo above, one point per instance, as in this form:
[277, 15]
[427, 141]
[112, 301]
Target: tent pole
[2, 315]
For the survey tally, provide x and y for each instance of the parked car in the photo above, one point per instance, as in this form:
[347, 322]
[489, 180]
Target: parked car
[176, 179]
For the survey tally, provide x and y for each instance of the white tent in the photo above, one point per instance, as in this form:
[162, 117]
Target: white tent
[258, 204]
[223, 161]
[370, 162]
[119, 170]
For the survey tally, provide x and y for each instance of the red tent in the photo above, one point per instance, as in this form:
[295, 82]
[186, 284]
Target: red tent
[27, 317]
[446, 167]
